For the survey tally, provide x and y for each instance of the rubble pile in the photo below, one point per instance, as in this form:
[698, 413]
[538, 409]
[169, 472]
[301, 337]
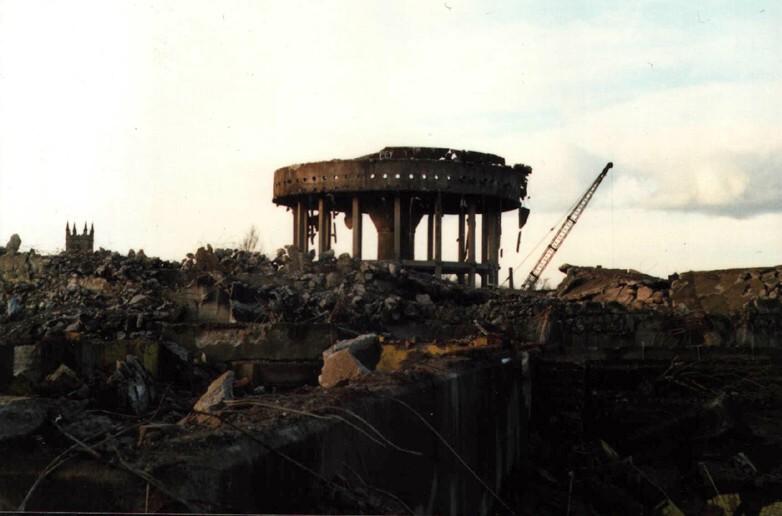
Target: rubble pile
[338, 290]
[350, 359]
[627, 287]
[722, 292]
[92, 341]
[215, 309]
[637, 437]
[228, 261]
[103, 294]
[727, 292]
[233, 308]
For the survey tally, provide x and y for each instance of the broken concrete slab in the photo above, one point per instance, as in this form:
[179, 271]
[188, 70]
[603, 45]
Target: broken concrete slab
[20, 416]
[134, 386]
[245, 341]
[27, 362]
[350, 359]
[63, 380]
[340, 367]
[278, 373]
[625, 286]
[220, 390]
[366, 348]
[14, 308]
[93, 355]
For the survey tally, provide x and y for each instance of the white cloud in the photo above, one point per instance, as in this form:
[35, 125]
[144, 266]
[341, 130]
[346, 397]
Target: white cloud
[164, 122]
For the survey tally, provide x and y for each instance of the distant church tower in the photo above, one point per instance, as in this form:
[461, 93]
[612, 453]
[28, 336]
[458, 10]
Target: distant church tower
[75, 243]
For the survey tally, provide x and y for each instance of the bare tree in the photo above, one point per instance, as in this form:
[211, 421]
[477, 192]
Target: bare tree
[250, 240]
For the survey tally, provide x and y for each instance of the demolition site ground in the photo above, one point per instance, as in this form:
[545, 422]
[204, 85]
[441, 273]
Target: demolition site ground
[235, 382]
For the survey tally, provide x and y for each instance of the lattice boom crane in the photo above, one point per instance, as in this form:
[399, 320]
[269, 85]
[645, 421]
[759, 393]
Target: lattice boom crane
[570, 221]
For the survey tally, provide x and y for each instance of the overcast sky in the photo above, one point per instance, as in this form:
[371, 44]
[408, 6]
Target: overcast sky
[163, 122]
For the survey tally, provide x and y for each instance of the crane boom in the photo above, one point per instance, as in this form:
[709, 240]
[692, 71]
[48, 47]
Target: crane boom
[570, 221]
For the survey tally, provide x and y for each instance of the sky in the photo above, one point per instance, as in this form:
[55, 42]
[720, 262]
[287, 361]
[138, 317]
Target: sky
[163, 122]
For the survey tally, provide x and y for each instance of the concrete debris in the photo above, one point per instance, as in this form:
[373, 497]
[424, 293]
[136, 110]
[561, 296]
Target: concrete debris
[14, 308]
[20, 417]
[138, 335]
[626, 287]
[340, 367]
[12, 247]
[219, 390]
[212, 401]
[350, 359]
[727, 292]
[744, 466]
[26, 368]
[63, 380]
[134, 386]
[423, 299]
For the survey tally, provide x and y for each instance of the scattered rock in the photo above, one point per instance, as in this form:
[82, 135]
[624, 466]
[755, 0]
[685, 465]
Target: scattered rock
[333, 279]
[27, 366]
[134, 386]
[627, 287]
[14, 308]
[12, 247]
[644, 293]
[423, 299]
[20, 417]
[350, 359]
[205, 259]
[138, 298]
[74, 326]
[339, 368]
[366, 348]
[219, 390]
[63, 380]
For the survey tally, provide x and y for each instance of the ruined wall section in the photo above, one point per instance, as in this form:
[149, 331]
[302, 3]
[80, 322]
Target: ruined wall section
[613, 307]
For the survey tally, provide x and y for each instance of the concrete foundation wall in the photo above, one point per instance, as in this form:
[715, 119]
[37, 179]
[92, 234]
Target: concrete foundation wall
[477, 407]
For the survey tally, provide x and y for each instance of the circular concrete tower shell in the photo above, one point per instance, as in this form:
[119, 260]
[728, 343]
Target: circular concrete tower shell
[397, 187]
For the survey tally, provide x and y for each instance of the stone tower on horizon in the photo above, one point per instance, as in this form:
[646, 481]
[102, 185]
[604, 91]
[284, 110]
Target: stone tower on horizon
[75, 243]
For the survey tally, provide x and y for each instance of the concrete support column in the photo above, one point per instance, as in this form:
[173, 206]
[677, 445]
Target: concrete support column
[357, 221]
[462, 251]
[497, 242]
[486, 243]
[471, 242]
[302, 218]
[295, 213]
[492, 243]
[397, 227]
[381, 212]
[324, 226]
[430, 236]
[438, 235]
[411, 215]
[485, 225]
